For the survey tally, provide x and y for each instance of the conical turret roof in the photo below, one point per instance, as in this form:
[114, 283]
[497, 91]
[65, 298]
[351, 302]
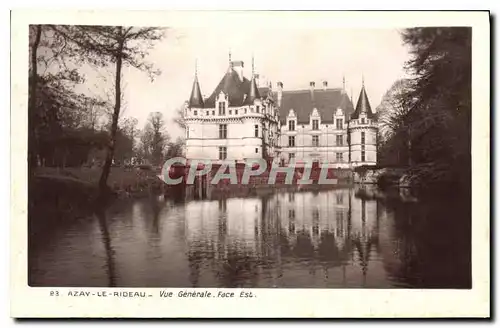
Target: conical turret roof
[196, 99]
[363, 106]
[253, 93]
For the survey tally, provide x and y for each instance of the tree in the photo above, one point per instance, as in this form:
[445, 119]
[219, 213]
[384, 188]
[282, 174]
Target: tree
[118, 45]
[154, 139]
[179, 118]
[35, 35]
[438, 105]
[393, 137]
[175, 149]
[62, 123]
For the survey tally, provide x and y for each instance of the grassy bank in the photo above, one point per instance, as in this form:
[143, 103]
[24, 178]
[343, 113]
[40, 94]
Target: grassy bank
[125, 182]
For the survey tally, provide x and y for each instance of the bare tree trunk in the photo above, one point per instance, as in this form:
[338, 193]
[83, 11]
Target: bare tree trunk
[33, 85]
[410, 162]
[114, 125]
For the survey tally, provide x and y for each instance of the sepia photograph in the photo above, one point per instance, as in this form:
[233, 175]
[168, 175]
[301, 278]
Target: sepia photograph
[242, 156]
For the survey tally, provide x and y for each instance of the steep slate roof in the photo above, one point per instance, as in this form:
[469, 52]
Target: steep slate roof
[264, 92]
[196, 99]
[232, 86]
[253, 93]
[304, 101]
[363, 106]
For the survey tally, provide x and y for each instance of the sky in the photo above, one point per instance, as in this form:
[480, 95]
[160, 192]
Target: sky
[294, 56]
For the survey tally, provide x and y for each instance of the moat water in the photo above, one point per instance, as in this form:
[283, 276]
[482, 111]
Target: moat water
[338, 238]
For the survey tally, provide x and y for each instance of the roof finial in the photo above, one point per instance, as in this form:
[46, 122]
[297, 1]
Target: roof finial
[363, 80]
[196, 68]
[253, 66]
[229, 56]
[352, 99]
[343, 82]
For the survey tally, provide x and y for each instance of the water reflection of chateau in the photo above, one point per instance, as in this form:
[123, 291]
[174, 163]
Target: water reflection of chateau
[328, 235]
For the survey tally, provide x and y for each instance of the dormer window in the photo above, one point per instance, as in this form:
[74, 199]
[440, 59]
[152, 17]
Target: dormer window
[222, 108]
[339, 124]
[363, 120]
[257, 108]
[195, 112]
[291, 125]
[315, 124]
[236, 112]
[230, 112]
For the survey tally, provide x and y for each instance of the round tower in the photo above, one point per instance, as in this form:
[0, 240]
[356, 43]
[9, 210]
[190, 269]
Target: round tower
[363, 128]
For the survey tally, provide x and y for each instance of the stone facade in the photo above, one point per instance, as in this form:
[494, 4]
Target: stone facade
[238, 121]
[241, 120]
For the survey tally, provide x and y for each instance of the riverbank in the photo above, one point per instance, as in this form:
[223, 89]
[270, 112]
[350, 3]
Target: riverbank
[123, 182]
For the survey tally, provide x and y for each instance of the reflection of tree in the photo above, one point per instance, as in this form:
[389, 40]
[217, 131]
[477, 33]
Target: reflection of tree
[157, 206]
[106, 240]
[433, 244]
[237, 267]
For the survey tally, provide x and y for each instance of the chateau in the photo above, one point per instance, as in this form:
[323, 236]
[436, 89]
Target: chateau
[241, 120]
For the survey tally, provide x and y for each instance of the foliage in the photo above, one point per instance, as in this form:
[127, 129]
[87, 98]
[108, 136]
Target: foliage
[179, 118]
[154, 139]
[429, 117]
[175, 149]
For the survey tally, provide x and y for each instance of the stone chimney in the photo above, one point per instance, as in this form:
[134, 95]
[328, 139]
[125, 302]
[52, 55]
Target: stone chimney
[312, 85]
[280, 93]
[325, 85]
[238, 68]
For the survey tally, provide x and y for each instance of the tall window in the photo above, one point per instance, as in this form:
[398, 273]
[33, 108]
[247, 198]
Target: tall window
[291, 125]
[257, 108]
[222, 152]
[256, 130]
[315, 125]
[339, 157]
[339, 124]
[362, 138]
[222, 131]
[339, 140]
[363, 156]
[315, 141]
[291, 141]
[222, 108]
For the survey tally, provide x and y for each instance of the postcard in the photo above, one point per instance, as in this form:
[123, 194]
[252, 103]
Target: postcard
[259, 164]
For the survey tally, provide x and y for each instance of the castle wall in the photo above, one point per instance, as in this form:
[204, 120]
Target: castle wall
[203, 140]
[326, 149]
